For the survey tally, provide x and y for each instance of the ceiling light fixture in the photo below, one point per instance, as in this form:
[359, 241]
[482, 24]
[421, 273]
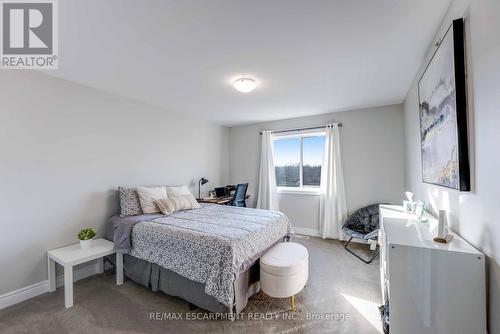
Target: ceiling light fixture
[245, 85]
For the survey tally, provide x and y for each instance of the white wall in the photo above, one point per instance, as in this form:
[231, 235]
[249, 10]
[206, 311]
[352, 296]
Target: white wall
[372, 153]
[64, 148]
[473, 215]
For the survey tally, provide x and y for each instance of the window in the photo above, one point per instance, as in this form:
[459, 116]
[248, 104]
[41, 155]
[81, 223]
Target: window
[297, 161]
[312, 158]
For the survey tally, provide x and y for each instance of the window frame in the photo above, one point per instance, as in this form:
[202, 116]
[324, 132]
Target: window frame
[302, 189]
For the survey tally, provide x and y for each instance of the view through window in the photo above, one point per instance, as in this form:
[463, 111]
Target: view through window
[298, 159]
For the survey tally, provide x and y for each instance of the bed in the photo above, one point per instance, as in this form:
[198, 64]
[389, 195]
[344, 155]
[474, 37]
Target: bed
[207, 256]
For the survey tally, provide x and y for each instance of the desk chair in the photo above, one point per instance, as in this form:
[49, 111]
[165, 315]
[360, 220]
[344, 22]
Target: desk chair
[240, 194]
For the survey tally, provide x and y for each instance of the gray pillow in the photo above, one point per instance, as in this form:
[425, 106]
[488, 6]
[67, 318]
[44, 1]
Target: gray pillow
[129, 202]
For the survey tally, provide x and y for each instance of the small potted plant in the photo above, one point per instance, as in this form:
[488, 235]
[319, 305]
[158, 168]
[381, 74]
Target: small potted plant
[85, 236]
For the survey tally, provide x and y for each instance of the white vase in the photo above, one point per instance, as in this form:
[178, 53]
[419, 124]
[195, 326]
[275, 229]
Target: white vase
[86, 244]
[442, 224]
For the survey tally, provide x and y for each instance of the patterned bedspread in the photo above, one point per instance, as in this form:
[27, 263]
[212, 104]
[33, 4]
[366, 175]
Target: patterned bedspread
[209, 245]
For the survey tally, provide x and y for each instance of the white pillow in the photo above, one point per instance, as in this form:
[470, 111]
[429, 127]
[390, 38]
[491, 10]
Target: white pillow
[147, 197]
[178, 191]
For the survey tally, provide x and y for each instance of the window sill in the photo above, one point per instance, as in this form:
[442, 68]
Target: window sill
[313, 192]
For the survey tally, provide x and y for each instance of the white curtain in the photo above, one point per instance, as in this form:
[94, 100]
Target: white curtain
[268, 196]
[332, 205]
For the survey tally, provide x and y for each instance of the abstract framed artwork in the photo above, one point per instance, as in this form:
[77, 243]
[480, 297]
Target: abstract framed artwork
[443, 114]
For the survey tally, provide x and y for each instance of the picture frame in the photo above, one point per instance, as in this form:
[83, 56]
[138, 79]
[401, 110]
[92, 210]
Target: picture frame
[442, 98]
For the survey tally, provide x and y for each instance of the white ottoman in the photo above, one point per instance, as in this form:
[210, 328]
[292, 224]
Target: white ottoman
[284, 270]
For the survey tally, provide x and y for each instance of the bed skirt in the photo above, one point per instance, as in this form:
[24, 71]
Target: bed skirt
[151, 275]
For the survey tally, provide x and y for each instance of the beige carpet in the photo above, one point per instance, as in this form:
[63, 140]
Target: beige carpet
[342, 296]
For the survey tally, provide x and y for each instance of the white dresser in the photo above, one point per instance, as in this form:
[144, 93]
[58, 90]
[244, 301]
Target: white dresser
[431, 288]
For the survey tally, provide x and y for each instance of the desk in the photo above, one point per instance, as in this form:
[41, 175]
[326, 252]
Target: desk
[218, 200]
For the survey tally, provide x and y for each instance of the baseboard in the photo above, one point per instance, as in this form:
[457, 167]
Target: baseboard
[315, 233]
[23, 294]
[40, 288]
[306, 231]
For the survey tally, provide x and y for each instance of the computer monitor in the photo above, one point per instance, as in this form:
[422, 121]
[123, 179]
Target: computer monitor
[220, 192]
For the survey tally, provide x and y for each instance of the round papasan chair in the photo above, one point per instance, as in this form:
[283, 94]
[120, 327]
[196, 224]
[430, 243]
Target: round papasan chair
[363, 224]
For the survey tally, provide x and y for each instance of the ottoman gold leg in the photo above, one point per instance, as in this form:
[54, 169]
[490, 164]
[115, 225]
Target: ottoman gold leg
[292, 302]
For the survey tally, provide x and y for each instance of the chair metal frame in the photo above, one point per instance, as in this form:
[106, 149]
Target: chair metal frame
[358, 256]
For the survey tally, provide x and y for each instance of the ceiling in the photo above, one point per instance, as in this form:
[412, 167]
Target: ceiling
[310, 57]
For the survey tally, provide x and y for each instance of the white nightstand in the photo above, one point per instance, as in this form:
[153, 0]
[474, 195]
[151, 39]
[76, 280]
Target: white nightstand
[72, 255]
